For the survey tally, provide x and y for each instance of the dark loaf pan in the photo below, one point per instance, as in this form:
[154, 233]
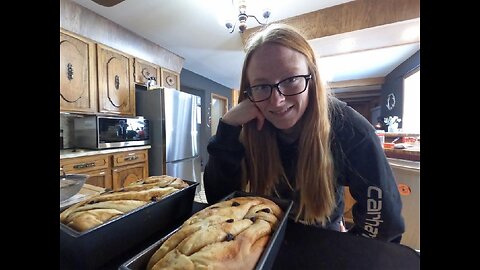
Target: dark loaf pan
[265, 262]
[95, 247]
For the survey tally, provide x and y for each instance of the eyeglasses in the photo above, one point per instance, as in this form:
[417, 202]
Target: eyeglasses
[290, 86]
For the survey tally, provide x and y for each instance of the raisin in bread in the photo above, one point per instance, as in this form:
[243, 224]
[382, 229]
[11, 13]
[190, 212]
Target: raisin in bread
[101, 208]
[228, 235]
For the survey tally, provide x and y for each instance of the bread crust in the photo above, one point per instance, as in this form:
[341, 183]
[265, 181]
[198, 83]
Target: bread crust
[98, 209]
[228, 235]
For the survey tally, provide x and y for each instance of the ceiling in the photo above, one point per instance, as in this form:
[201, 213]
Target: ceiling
[195, 30]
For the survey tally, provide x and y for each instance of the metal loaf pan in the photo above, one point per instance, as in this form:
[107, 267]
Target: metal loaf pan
[266, 260]
[95, 247]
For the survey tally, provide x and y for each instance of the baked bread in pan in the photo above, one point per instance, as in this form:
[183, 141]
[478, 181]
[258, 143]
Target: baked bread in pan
[228, 235]
[101, 208]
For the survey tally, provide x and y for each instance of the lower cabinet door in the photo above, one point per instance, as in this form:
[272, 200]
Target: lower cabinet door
[124, 175]
[100, 178]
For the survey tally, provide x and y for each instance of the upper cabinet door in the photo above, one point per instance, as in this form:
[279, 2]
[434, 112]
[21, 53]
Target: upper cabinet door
[116, 88]
[146, 72]
[77, 74]
[170, 79]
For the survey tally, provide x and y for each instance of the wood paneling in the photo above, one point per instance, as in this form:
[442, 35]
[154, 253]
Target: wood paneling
[351, 16]
[362, 82]
[363, 94]
[362, 107]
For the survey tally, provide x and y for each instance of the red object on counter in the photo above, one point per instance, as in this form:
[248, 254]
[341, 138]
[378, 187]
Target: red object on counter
[388, 145]
[409, 140]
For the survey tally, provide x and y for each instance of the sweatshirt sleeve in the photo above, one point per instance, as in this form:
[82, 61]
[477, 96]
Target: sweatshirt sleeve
[377, 211]
[222, 173]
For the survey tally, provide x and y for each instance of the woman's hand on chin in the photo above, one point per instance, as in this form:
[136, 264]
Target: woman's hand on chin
[242, 113]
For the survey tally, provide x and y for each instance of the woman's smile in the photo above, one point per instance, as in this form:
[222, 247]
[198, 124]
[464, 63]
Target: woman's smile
[282, 111]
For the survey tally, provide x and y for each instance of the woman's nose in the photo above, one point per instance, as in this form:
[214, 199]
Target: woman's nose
[276, 97]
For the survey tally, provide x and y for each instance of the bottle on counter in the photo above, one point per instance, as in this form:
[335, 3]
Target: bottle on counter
[61, 139]
[381, 136]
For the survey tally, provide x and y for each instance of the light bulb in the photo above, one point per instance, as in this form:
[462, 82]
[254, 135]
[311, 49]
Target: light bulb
[242, 27]
[266, 13]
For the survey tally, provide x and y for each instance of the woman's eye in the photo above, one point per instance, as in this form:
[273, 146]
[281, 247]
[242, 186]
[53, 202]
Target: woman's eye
[261, 88]
[290, 81]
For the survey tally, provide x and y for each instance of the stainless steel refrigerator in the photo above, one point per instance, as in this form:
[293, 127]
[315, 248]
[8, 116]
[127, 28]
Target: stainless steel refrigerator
[174, 131]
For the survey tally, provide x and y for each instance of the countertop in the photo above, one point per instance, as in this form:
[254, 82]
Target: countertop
[412, 154]
[77, 152]
[401, 134]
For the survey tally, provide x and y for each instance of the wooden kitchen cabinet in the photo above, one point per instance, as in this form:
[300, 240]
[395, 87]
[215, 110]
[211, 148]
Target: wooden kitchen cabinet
[129, 167]
[100, 178]
[111, 171]
[169, 79]
[143, 71]
[97, 167]
[116, 88]
[78, 76]
[122, 176]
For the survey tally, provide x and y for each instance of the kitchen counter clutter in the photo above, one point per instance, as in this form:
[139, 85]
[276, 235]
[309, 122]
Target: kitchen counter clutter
[402, 146]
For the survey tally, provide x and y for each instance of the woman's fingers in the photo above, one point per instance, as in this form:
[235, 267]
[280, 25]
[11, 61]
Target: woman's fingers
[260, 119]
[242, 113]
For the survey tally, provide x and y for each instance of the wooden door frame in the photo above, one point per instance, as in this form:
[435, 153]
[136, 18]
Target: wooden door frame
[220, 97]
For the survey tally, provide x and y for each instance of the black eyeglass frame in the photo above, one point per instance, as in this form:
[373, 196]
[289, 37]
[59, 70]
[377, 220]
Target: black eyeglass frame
[306, 77]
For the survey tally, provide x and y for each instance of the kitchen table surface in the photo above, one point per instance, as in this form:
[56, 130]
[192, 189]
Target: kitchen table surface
[307, 247]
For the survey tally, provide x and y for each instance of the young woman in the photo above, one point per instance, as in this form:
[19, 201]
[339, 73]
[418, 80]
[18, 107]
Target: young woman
[289, 138]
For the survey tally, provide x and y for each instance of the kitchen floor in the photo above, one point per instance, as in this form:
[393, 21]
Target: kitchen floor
[200, 196]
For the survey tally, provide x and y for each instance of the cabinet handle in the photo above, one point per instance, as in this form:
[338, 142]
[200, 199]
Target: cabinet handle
[69, 71]
[130, 158]
[84, 165]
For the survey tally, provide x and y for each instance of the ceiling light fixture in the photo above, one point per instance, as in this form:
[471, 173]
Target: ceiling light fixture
[243, 16]
[107, 3]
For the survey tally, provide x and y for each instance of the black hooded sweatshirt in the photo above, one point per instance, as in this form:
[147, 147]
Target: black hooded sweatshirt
[360, 164]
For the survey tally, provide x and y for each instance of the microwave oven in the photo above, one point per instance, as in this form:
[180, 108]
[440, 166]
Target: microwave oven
[102, 132]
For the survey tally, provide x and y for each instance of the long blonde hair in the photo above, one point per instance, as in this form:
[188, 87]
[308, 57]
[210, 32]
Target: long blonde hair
[315, 170]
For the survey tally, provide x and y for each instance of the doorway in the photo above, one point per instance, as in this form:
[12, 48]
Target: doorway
[218, 109]
[374, 114]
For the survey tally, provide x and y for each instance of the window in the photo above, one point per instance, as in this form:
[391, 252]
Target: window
[411, 103]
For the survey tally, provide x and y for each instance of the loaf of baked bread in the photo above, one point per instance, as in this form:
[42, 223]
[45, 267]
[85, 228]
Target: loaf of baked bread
[228, 235]
[103, 207]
